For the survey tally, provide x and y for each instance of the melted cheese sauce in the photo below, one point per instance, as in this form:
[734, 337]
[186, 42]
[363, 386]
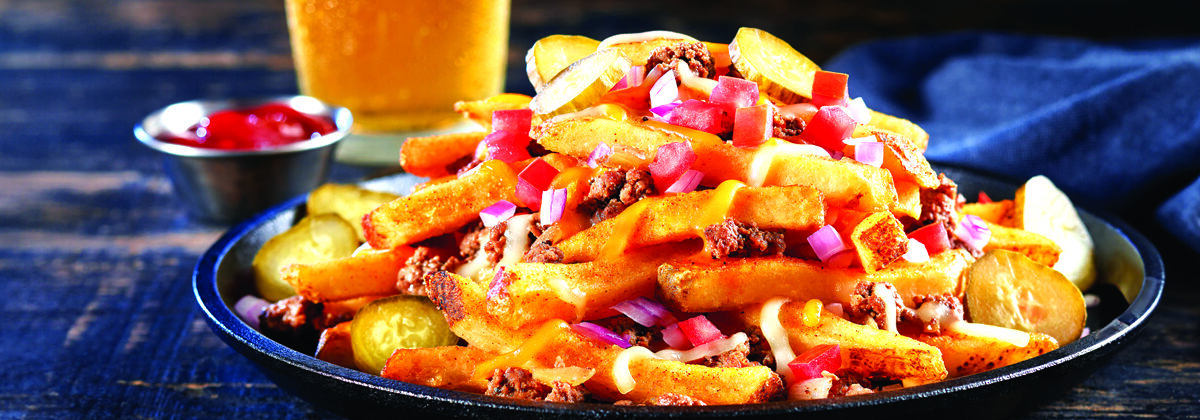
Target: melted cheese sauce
[516, 244]
[623, 228]
[522, 354]
[624, 379]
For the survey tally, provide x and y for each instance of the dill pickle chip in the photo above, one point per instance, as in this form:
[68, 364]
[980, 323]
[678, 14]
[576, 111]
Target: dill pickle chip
[401, 321]
[350, 202]
[581, 84]
[1007, 289]
[319, 237]
[550, 55]
[1040, 207]
[781, 72]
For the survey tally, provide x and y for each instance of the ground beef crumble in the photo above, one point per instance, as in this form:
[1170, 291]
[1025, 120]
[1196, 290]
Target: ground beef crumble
[613, 191]
[760, 349]
[543, 250]
[410, 280]
[933, 326]
[736, 357]
[866, 305]
[733, 238]
[515, 382]
[294, 321]
[694, 54]
[942, 205]
[784, 126]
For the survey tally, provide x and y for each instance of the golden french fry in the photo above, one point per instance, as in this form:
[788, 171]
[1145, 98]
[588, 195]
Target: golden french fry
[906, 129]
[334, 346]
[447, 367]
[680, 217]
[654, 377]
[902, 157]
[866, 350]
[704, 285]
[1037, 247]
[968, 354]
[367, 273]
[996, 212]
[581, 291]
[440, 208]
[480, 111]
[435, 156]
[879, 240]
[464, 303]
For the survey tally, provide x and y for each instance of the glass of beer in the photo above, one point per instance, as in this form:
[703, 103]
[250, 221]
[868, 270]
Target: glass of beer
[398, 65]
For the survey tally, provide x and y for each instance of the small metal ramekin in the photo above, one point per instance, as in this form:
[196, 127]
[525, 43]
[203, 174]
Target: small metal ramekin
[229, 185]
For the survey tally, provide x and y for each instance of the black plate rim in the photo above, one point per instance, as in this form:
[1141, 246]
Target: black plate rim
[263, 350]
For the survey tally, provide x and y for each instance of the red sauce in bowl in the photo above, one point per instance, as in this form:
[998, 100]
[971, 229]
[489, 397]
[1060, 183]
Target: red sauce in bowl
[261, 127]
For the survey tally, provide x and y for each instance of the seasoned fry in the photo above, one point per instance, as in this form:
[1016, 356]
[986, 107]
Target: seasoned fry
[334, 346]
[453, 369]
[440, 208]
[996, 212]
[1037, 247]
[878, 240]
[367, 273]
[581, 291]
[866, 350]
[464, 303]
[968, 354]
[697, 285]
[679, 217]
[436, 156]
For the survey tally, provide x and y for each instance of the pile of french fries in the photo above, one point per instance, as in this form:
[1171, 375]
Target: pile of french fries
[656, 248]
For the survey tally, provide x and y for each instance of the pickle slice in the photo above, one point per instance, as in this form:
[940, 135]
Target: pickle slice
[581, 84]
[401, 321]
[319, 237]
[350, 202]
[550, 55]
[1007, 289]
[781, 72]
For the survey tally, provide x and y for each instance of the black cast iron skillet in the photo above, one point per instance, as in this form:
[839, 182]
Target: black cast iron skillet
[1130, 270]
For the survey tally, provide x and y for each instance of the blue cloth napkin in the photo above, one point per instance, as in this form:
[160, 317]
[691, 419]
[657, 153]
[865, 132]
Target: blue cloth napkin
[1114, 125]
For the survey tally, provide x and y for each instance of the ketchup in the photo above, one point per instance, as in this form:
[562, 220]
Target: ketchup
[262, 127]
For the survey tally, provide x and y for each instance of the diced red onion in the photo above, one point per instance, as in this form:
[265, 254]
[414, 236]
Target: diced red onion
[699, 330]
[826, 242]
[535, 178]
[670, 161]
[599, 154]
[837, 155]
[869, 152]
[665, 90]
[497, 213]
[835, 308]
[248, 308]
[635, 75]
[674, 337]
[599, 333]
[554, 201]
[972, 230]
[916, 252]
[1091, 300]
[497, 285]
[665, 318]
[507, 146]
[686, 182]
[858, 111]
[662, 111]
[636, 312]
[481, 150]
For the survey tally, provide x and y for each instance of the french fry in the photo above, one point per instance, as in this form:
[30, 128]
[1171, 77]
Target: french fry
[448, 367]
[906, 129]
[464, 303]
[1037, 247]
[368, 273]
[655, 377]
[435, 156]
[581, 291]
[968, 354]
[334, 346]
[904, 160]
[866, 350]
[878, 240]
[705, 285]
[480, 111]
[996, 212]
[440, 208]
[680, 217]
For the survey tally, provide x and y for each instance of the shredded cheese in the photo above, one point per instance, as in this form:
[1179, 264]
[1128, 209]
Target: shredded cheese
[776, 336]
[620, 371]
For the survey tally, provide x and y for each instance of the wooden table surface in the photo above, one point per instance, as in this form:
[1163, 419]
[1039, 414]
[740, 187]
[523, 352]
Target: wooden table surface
[96, 252]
